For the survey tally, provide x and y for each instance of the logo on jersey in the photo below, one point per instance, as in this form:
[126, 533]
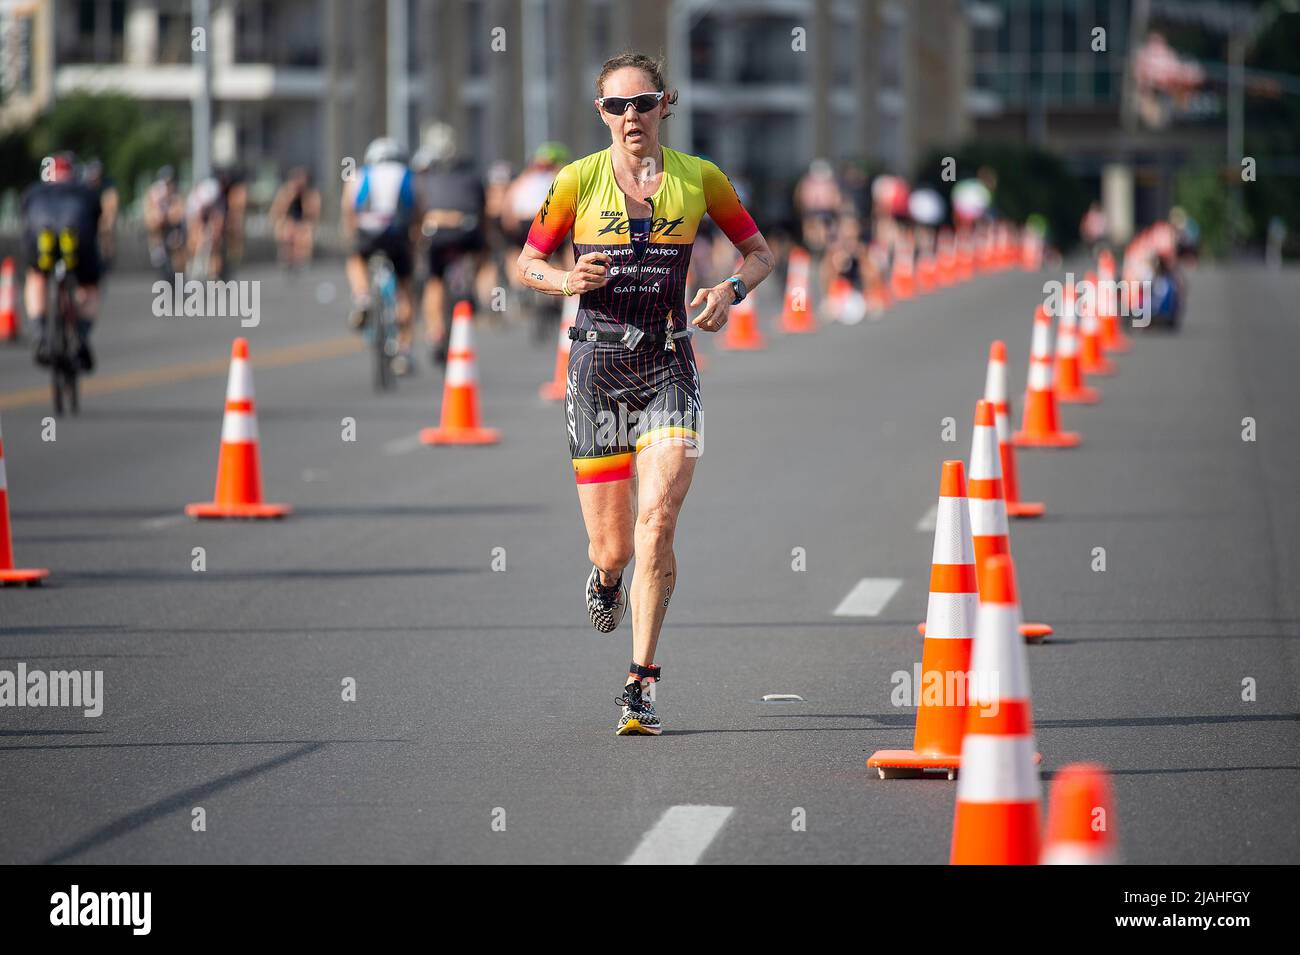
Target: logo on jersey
[546, 206]
[660, 226]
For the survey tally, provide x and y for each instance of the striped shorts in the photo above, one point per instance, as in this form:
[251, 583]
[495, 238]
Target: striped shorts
[619, 402]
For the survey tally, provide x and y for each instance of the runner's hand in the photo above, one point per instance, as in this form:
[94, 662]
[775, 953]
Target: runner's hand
[717, 308]
[590, 272]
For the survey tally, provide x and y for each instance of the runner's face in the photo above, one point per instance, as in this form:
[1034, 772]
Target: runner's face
[636, 132]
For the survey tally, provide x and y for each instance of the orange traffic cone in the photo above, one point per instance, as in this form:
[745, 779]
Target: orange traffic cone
[901, 274]
[797, 315]
[996, 820]
[965, 257]
[554, 389]
[1092, 361]
[742, 329]
[927, 274]
[460, 420]
[1070, 387]
[950, 627]
[1112, 338]
[1079, 818]
[988, 510]
[1040, 425]
[239, 472]
[8, 316]
[995, 390]
[9, 574]
[946, 258]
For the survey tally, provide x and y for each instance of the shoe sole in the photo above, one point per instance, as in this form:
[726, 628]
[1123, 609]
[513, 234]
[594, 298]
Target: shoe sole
[634, 728]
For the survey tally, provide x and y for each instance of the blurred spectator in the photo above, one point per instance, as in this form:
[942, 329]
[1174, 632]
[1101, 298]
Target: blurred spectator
[1092, 227]
[817, 199]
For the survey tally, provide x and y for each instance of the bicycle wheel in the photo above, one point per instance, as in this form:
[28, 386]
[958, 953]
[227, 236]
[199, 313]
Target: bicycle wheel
[384, 377]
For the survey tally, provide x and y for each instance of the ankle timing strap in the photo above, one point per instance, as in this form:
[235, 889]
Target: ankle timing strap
[651, 672]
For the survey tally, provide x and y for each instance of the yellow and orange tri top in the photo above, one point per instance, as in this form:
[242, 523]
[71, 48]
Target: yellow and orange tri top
[646, 290]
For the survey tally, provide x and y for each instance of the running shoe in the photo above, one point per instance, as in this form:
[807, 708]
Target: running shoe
[639, 718]
[606, 605]
[359, 314]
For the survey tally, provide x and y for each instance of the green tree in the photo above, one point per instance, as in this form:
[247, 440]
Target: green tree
[130, 140]
[1029, 180]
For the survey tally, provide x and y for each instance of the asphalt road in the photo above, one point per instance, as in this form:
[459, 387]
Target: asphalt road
[483, 725]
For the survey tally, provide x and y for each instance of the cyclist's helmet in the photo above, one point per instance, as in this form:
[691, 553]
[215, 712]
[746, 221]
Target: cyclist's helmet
[167, 174]
[59, 167]
[384, 149]
[551, 154]
[92, 172]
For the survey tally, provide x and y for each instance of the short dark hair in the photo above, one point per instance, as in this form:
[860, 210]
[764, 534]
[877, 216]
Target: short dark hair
[651, 65]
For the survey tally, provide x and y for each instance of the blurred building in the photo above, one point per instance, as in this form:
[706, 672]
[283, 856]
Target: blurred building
[767, 85]
[1124, 123]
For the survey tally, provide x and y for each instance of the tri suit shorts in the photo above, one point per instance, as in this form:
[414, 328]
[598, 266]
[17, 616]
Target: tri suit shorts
[619, 402]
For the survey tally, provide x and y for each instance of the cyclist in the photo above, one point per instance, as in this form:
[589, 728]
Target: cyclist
[454, 199]
[295, 210]
[164, 219]
[205, 217]
[633, 401]
[61, 219]
[381, 211]
[92, 174]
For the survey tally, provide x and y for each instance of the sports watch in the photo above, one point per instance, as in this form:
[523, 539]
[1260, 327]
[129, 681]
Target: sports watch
[740, 288]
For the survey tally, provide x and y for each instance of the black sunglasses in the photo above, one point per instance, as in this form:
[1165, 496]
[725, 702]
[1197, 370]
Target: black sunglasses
[617, 105]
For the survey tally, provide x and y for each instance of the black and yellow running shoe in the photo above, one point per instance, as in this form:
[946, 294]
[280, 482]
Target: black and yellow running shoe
[605, 605]
[638, 702]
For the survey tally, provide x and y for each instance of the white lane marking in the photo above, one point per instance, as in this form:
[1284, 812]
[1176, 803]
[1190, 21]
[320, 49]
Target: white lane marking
[782, 698]
[928, 520]
[403, 445]
[167, 520]
[868, 597]
[681, 835]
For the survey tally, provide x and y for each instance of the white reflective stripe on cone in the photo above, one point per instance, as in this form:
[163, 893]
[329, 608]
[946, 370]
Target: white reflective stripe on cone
[240, 384]
[462, 335]
[995, 382]
[951, 616]
[1040, 376]
[1042, 342]
[988, 518]
[1077, 853]
[4, 481]
[461, 371]
[238, 427]
[997, 769]
[1066, 345]
[1000, 651]
[984, 462]
[952, 532]
[1003, 428]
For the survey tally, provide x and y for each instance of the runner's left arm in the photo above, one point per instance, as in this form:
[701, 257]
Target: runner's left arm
[725, 208]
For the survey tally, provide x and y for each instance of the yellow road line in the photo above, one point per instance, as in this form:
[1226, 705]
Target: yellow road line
[186, 371]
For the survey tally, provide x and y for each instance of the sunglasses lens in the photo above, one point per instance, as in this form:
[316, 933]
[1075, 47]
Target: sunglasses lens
[617, 105]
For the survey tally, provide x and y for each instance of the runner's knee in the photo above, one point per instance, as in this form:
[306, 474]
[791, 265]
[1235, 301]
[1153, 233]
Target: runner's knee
[611, 554]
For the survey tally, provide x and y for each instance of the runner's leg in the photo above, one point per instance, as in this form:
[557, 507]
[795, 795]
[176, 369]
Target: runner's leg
[609, 512]
[664, 473]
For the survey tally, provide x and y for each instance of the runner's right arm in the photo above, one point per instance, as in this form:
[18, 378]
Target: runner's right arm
[553, 222]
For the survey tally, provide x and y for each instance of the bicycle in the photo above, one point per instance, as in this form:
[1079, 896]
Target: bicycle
[382, 329]
[61, 312]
